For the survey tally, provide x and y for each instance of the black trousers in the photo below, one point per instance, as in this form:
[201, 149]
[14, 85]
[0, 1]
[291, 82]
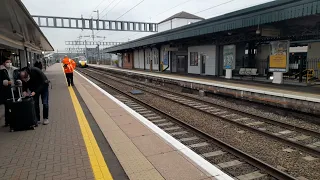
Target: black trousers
[6, 113]
[69, 77]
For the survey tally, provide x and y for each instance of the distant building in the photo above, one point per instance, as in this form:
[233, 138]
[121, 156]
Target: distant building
[178, 20]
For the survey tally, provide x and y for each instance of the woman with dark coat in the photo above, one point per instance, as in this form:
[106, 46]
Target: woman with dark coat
[9, 76]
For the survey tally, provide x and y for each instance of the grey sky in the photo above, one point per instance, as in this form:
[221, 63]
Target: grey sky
[148, 10]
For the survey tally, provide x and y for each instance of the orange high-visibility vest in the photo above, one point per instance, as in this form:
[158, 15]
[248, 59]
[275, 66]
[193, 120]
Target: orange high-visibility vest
[71, 65]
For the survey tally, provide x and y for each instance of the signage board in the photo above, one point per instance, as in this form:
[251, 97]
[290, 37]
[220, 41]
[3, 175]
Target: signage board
[172, 49]
[229, 57]
[270, 32]
[279, 58]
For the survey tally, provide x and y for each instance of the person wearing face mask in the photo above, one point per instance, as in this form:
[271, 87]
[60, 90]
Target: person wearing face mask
[9, 77]
[35, 81]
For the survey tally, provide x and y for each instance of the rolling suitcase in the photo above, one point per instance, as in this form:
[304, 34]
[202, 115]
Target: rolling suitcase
[22, 112]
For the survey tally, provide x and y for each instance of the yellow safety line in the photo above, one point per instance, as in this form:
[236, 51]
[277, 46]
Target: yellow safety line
[98, 164]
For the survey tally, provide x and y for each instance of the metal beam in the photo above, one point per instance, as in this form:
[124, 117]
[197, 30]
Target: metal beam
[82, 49]
[76, 49]
[87, 43]
[93, 24]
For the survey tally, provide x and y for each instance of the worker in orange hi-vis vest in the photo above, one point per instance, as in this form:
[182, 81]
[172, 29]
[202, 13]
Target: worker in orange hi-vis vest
[69, 65]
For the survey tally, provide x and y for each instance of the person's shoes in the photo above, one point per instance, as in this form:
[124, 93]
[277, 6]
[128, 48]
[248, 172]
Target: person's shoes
[38, 122]
[45, 122]
[72, 84]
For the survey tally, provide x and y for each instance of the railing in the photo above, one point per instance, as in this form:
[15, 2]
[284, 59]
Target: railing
[314, 64]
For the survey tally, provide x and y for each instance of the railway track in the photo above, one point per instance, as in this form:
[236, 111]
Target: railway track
[291, 135]
[247, 166]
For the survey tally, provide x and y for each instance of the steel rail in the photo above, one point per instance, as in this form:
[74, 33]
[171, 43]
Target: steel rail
[238, 153]
[304, 148]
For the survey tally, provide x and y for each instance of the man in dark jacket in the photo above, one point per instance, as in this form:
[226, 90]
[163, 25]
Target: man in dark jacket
[9, 77]
[34, 80]
[38, 64]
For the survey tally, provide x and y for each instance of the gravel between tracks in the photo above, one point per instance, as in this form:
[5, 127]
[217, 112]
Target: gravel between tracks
[273, 113]
[263, 148]
[253, 108]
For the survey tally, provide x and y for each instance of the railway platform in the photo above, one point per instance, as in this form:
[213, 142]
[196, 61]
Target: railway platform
[92, 135]
[299, 98]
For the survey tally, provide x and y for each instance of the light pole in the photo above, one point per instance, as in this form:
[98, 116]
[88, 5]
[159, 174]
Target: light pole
[97, 11]
[97, 25]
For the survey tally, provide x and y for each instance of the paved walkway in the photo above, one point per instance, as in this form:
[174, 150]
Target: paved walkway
[55, 151]
[84, 125]
[142, 153]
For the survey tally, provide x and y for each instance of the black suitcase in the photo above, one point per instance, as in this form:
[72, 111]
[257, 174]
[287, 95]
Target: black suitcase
[22, 113]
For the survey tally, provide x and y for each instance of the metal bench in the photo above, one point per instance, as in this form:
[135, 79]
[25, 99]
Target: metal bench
[253, 72]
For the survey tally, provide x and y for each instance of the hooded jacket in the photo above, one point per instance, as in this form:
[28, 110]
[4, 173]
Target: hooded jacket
[37, 82]
[68, 65]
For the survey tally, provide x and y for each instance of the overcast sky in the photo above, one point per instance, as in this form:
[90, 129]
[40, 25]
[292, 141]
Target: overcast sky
[147, 11]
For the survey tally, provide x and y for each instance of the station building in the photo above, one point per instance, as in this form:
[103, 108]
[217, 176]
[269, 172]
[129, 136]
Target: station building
[269, 42]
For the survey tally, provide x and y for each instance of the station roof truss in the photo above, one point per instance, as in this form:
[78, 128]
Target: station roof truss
[94, 24]
[19, 30]
[274, 12]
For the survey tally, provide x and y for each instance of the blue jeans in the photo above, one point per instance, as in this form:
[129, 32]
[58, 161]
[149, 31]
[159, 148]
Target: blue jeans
[45, 102]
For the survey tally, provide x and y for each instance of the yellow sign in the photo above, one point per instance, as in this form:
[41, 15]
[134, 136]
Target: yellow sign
[278, 61]
[318, 65]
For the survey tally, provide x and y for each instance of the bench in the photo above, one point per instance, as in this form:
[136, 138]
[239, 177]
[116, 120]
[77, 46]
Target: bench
[253, 72]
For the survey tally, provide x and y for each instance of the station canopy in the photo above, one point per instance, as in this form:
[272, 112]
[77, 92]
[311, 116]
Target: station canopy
[19, 30]
[281, 19]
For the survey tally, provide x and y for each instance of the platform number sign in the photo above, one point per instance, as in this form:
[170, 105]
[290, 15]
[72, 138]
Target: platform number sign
[278, 61]
[229, 55]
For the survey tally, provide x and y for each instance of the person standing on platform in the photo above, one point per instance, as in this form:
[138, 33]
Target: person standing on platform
[69, 65]
[38, 64]
[34, 80]
[9, 76]
[45, 64]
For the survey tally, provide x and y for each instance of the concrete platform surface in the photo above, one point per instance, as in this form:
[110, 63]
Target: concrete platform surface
[90, 136]
[141, 152]
[54, 151]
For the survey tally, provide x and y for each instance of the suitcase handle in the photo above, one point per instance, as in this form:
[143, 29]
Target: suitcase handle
[19, 91]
